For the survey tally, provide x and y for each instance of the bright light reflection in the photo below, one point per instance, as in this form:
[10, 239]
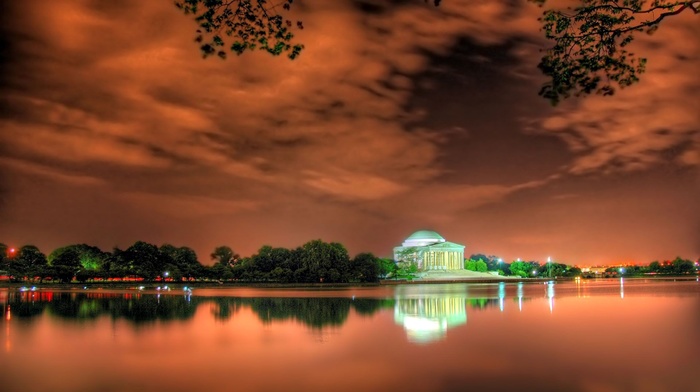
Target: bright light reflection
[622, 288]
[550, 294]
[501, 294]
[520, 296]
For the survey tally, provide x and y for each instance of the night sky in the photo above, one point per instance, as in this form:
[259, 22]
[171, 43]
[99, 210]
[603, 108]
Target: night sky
[393, 119]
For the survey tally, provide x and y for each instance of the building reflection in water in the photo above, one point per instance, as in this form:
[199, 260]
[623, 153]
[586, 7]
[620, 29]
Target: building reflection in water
[427, 312]
[427, 318]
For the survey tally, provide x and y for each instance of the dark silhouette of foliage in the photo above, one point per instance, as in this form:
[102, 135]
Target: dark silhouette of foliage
[253, 24]
[225, 255]
[588, 54]
[27, 262]
[315, 313]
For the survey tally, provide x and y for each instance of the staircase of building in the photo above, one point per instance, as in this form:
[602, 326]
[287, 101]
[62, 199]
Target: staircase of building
[457, 275]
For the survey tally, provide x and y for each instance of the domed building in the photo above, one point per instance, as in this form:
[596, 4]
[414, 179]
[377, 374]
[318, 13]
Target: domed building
[430, 251]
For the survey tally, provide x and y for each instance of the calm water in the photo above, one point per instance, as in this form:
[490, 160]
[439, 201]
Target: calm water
[593, 336]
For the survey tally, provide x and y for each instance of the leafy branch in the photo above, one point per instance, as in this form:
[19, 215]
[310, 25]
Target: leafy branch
[589, 52]
[253, 24]
[588, 55]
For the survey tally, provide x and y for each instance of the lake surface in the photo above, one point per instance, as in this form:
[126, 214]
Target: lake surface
[589, 335]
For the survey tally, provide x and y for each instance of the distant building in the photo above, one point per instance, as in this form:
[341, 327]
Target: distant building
[598, 270]
[430, 252]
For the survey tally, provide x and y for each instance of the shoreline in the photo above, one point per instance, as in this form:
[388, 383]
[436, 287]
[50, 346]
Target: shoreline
[275, 285]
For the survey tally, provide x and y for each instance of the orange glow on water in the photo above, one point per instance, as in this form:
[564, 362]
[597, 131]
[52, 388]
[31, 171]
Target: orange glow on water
[313, 339]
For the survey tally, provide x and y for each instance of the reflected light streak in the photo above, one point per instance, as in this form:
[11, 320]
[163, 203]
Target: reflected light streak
[622, 288]
[8, 316]
[550, 294]
[520, 296]
[578, 286]
[501, 294]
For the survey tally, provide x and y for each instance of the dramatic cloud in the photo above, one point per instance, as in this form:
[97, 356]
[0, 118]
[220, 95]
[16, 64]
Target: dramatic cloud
[654, 122]
[397, 116]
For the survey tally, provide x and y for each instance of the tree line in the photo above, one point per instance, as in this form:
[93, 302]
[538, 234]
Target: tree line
[314, 262]
[677, 266]
[523, 269]
[531, 269]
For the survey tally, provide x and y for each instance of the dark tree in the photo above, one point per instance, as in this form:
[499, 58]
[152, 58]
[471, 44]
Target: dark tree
[682, 266]
[269, 263]
[28, 263]
[65, 263]
[365, 267]
[4, 257]
[187, 263]
[325, 262]
[225, 256]
[146, 260]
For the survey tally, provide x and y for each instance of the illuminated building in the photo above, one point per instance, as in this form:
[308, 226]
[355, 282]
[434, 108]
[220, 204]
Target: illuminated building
[430, 252]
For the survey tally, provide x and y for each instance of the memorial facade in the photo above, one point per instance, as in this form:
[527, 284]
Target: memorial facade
[430, 251]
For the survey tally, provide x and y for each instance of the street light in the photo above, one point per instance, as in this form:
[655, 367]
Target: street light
[549, 266]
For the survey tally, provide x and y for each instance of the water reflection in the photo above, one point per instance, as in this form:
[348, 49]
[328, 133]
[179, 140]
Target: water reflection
[520, 296]
[426, 319]
[426, 312]
[622, 288]
[140, 308]
[411, 337]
